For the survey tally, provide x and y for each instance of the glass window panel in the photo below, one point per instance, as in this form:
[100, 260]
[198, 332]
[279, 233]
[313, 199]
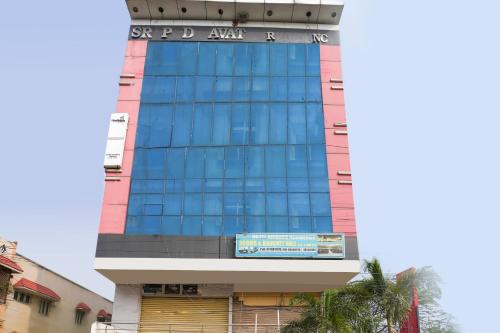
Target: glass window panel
[136, 204]
[255, 203]
[193, 204]
[158, 89]
[155, 163]
[278, 124]
[322, 224]
[213, 185]
[193, 185]
[152, 209]
[171, 225]
[315, 123]
[138, 186]
[213, 204]
[296, 123]
[297, 161]
[153, 199]
[276, 204]
[223, 88]
[172, 204]
[240, 123]
[235, 162]
[202, 125]
[318, 185]
[134, 225]
[298, 185]
[275, 161]
[175, 163]
[161, 59]
[317, 161]
[214, 162]
[255, 161]
[255, 185]
[320, 204]
[296, 60]
[296, 89]
[139, 166]
[260, 88]
[195, 163]
[277, 224]
[222, 124]
[233, 225]
[183, 118]
[298, 204]
[205, 88]
[174, 186]
[187, 58]
[278, 57]
[256, 224]
[233, 185]
[212, 226]
[224, 59]
[160, 122]
[312, 62]
[260, 59]
[259, 122]
[206, 58]
[313, 89]
[185, 89]
[151, 225]
[191, 225]
[233, 204]
[241, 89]
[242, 59]
[300, 224]
[276, 185]
[278, 89]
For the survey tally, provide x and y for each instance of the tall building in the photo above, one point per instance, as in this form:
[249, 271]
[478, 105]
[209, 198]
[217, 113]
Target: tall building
[228, 184]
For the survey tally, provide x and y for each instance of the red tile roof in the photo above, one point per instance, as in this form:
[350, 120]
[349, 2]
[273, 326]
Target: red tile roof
[102, 313]
[9, 264]
[36, 288]
[83, 307]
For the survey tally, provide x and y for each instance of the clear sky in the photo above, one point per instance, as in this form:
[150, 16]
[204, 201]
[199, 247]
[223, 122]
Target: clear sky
[422, 93]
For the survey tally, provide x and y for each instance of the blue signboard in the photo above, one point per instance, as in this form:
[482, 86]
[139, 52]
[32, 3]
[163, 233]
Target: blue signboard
[268, 245]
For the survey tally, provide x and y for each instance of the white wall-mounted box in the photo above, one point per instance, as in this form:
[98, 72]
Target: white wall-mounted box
[115, 145]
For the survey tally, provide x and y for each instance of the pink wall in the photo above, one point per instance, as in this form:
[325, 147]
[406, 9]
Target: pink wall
[337, 146]
[117, 187]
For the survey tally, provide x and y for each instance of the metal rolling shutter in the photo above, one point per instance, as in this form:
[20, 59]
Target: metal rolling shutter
[161, 314]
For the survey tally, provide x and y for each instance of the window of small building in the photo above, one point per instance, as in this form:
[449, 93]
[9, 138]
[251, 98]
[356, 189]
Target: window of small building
[43, 309]
[22, 297]
[79, 317]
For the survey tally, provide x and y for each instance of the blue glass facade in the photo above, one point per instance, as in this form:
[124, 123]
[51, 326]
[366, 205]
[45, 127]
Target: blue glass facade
[230, 139]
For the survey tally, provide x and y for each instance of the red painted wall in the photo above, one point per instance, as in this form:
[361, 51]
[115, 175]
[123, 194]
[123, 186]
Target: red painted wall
[117, 187]
[337, 146]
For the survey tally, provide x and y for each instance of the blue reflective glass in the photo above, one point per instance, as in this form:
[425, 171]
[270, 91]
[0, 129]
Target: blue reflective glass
[183, 117]
[152, 209]
[276, 204]
[153, 199]
[298, 185]
[212, 226]
[255, 161]
[256, 224]
[296, 60]
[278, 89]
[241, 89]
[158, 89]
[224, 60]
[174, 186]
[213, 185]
[185, 89]
[276, 185]
[260, 88]
[318, 184]
[160, 125]
[313, 89]
[152, 162]
[193, 185]
[171, 225]
[240, 123]
[312, 60]
[222, 124]
[187, 54]
[223, 88]
[172, 204]
[151, 225]
[235, 162]
[175, 163]
[242, 59]
[191, 225]
[255, 203]
[205, 88]
[259, 122]
[193, 204]
[206, 59]
[147, 186]
[300, 224]
[278, 56]
[233, 185]
[275, 161]
[315, 123]
[213, 204]
[136, 204]
[320, 204]
[214, 162]
[277, 224]
[322, 224]
[161, 59]
[296, 162]
[134, 225]
[233, 204]
[296, 123]
[202, 125]
[298, 204]
[317, 161]
[296, 89]
[260, 59]
[278, 124]
[255, 185]
[233, 225]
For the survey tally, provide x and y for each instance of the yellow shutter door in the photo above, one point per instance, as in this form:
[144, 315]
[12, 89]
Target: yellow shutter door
[208, 315]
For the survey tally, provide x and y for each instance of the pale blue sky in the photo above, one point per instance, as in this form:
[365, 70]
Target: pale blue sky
[422, 92]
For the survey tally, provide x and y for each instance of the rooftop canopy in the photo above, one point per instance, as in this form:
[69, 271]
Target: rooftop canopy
[10, 265]
[34, 288]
